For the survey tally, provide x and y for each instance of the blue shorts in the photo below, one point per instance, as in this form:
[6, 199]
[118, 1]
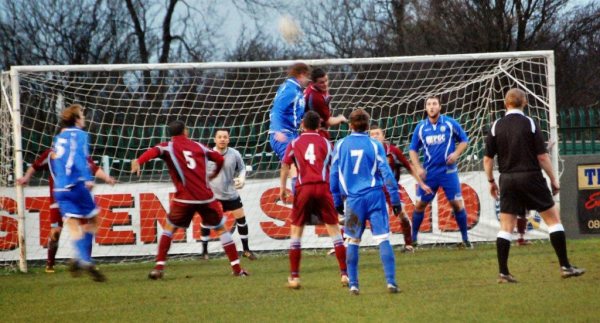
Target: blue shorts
[370, 206]
[278, 146]
[448, 181]
[77, 202]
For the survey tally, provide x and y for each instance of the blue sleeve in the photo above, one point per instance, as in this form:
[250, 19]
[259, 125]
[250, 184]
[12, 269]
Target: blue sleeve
[81, 154]
[415, 143]
[386, 173]
[334, 181]
[459, 133]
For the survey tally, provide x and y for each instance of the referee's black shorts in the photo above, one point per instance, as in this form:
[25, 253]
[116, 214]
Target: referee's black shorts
[524, 191]
[231, 205]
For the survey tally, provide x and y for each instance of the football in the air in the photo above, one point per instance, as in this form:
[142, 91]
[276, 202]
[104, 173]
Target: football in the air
[289, 29]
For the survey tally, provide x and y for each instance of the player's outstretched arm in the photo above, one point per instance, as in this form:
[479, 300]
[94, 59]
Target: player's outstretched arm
[25, 179]
[334, 121]
[149, 154]
[105, 177]
[283, 175]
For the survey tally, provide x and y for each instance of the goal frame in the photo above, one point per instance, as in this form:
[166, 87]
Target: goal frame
[15, 106]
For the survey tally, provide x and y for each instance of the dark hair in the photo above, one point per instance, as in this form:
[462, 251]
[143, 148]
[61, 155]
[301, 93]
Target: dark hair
[70, 115]
[433, 97]
[176, 128]
[311, 120]
[359, 120]
[317, 73]
[298, 69]
[375, 126]
[221, 129]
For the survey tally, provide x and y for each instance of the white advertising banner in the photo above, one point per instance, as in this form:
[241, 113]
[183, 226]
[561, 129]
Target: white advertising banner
[131, 216]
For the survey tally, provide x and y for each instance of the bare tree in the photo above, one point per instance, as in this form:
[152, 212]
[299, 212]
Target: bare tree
[62, 32]
[577, 47]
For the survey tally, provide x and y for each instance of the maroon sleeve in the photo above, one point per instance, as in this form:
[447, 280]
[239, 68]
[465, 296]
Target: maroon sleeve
[151, 153]
[288, 157]
[93, 167]
[321, 107]
[315, 101]
[214, 157]
[42, 161]
[402, 159]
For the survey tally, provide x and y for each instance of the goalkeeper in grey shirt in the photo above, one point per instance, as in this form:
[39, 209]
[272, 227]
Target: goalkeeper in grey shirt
[230, 179]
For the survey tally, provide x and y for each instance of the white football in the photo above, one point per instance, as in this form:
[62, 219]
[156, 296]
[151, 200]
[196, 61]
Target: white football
[289, 29]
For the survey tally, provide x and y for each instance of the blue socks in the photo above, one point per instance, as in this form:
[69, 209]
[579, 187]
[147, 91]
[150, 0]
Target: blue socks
[461, 220]
[417, 220]
[389, 262]
[352, 262]
[82, 250]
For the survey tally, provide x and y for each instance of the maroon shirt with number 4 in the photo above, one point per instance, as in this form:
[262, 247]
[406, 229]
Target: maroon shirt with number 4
[312, 155]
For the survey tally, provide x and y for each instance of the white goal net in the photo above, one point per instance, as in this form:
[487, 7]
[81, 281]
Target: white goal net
[128, 106]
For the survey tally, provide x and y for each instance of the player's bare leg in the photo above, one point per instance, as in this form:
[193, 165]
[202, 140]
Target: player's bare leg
[340, 251]
[559, 242]
[242, 228]
[294, 255]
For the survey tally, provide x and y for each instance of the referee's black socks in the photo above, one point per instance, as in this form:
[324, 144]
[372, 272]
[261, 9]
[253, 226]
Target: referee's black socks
[502, 250]
[559, 243]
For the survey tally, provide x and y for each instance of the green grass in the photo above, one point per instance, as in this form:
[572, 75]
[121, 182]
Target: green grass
[439, 284]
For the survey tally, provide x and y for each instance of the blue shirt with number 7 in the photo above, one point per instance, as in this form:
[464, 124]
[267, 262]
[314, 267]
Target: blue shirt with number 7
[359, 166]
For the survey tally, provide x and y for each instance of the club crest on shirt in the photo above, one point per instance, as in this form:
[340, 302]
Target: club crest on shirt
[442, 128]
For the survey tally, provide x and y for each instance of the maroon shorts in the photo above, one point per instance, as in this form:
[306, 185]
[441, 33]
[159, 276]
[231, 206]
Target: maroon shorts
[182, 213]
[55, 216]
[313, 199]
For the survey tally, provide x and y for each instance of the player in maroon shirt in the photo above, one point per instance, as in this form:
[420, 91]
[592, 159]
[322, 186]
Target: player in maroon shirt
[397, 160]
[186, 160]
[317, 99]
[56, 223]
[311, 153]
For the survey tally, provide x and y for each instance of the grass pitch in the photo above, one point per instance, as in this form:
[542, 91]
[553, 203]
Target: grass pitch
[438, 284]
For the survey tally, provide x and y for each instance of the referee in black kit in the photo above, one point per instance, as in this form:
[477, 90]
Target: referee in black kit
[519, 144]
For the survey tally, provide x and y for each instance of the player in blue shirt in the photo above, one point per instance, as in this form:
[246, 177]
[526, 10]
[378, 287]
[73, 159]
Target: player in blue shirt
[287, 112]
[358, 173]
[72, 184]
[437, 136]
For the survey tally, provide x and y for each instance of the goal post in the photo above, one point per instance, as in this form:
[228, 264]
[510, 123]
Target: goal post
[128, 106]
